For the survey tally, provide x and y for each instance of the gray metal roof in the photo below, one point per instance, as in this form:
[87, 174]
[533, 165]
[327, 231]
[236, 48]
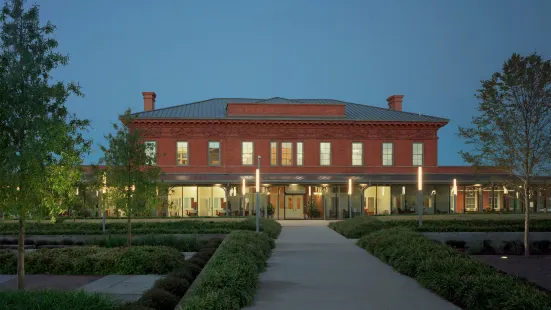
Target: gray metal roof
[216, 109]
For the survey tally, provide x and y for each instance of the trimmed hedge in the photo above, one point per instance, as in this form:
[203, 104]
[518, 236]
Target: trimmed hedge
[362, 225]
[270, 227]
[468, 283]
[55, 300]
[96, 260]
[230, 278]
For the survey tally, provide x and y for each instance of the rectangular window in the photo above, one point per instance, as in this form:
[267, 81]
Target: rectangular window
[286, 153]
[388, 154]
[182, 153]
[151, 152]
[417, 154]
[273, 153]
[300, 154]
[247, 153]
[471, 199]
[325, 153]
[214, 153]
[357, 154]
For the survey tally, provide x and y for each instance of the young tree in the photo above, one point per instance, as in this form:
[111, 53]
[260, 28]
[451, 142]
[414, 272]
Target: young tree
[513, 130]
[130, 170]
[37, 134]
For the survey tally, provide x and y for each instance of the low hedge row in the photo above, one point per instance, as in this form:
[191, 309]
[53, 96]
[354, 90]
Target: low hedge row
[55, 300]
[359, 226]
[230, 278]
[271, 227]
[96, 260]
[167, 292]
[454, 276]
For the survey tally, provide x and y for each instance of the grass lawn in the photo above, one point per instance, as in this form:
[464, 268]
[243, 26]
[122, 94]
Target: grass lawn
[137, 220]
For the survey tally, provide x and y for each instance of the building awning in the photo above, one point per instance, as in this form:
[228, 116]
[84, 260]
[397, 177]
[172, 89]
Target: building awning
[180, 178]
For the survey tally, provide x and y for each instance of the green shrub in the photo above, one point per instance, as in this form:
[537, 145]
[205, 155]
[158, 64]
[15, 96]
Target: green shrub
[193, 268]
[183, 273]
[55, 300]
[468, 283]
[362, 225]
[8, 262]
[159, 299]
[199, 261]
[97, 260]
[174, 286]
[230, 278]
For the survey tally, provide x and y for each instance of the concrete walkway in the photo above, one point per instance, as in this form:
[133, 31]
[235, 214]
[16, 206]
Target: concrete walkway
[313, 267]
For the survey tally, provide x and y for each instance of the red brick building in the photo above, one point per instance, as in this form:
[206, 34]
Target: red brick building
[309, 149]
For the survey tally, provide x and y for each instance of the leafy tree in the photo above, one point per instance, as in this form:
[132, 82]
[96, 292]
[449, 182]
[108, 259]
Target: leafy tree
[130, 170]
[513, 130]
[40, 142]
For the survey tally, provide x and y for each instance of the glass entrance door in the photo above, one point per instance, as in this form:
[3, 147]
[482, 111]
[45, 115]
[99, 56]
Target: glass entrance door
[294, 207]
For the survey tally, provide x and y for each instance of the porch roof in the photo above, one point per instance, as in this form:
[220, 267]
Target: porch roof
[178, 178]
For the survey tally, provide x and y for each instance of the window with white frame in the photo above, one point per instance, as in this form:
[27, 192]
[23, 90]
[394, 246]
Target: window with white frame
[182, 153]
[286, 153]
[300, 154]
[247, 153]
[273, 153]
[471, 199]
[388, 156]
[357, 154]
[325, 153]
[417, 154]
[151, 152]
[214, 153]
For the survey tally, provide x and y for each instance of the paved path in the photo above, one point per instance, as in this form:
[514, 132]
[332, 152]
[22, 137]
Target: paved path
[313, 267]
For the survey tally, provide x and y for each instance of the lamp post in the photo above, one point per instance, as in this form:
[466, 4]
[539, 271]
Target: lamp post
[243, 189]
[258, 196]
[420, 194]
[454, 195]
[349, 198]
[104, 191]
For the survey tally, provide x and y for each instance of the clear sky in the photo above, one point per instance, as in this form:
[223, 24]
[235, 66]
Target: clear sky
[433, 52]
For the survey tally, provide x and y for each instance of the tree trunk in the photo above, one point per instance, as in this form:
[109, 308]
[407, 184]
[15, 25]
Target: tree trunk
[129, 225]
[526, 221]
[21, 255]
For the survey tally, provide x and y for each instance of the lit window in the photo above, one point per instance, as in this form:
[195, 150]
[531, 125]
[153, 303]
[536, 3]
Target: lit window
[273, 153]
[325, 153]
[387, 154]
[357, 154]
[151, 152]
[286, 153]
[417, 154]
[214, 153]
[300, 154]
[182, 154]
[247, 153]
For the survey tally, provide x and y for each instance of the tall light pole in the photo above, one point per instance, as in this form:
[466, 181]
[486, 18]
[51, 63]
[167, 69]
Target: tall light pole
[420, 194]
[258, 196]
[243, 190]
[454, 195]
[349, 198]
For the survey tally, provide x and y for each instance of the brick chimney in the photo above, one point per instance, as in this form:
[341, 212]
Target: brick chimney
[395, 102]
[149, 100]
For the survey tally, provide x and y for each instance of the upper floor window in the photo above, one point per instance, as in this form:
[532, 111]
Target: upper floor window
[357, 154]
[300, 154]
[286, 153]
[214, 153]
[325, 153]
[247, 153]
[388, 156]
[417, 154]
[273, 153]
[182, 153]
[151, 152]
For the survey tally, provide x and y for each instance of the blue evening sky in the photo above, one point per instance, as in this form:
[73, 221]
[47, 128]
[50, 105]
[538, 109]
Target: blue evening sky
[432, 51]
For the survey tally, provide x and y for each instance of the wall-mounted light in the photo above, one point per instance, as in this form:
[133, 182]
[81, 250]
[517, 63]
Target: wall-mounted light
[403, 190]
[505, 191]
[455, 187]
[309, 190]
[243, 188]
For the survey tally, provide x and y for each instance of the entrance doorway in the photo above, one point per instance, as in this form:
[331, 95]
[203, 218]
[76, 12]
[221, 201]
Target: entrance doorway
[294, 207]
